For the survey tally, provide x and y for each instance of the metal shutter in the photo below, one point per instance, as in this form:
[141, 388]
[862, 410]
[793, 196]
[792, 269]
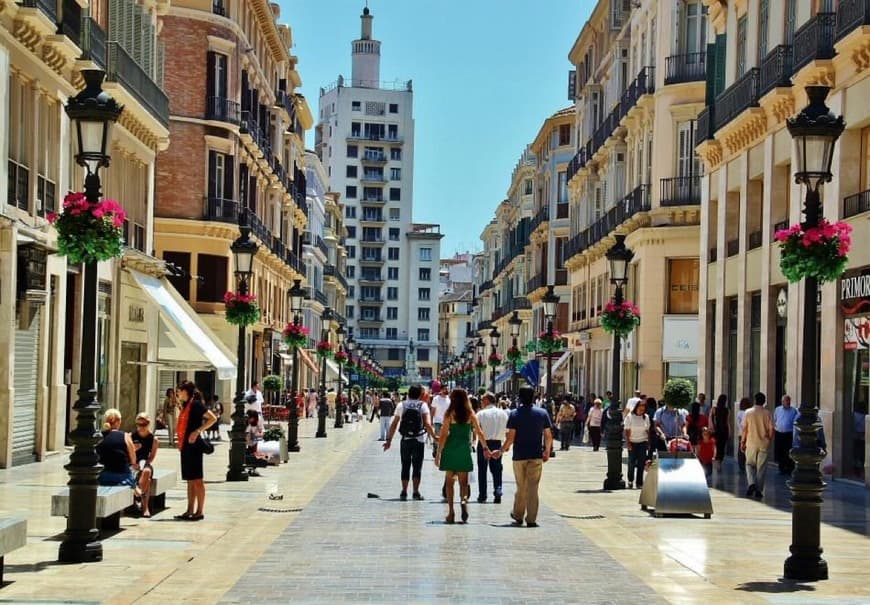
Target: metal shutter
[25, 383]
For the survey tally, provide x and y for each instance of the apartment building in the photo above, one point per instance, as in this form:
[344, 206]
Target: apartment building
[638, 85]
[43, 48]
[365, 139]
[762, 54]
[238, 125]
[455, 301]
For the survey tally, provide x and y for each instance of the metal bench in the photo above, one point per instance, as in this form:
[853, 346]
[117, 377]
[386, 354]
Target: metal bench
[13, 534]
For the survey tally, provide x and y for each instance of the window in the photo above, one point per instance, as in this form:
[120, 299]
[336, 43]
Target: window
[423, 314]
[741, 46]
[392, 273]
[688, 163]
[47, 159]
[394, 108]
[351, 291]
[528, 187]
[563, 187]
[351, 251]
[425, 254]
[181, 260]
[352, 151]
[394, 234]
[348, 311]
[355, 106]
[220, 175]
[392, 312]
[394, 354]
[393, 254]
[423, 334]
[213, 270]
[394, 214]
[350, 271]
[423, 293]
[392, 132]
[355, 129]
[351, 172]
[422, 354]
[395, 174]
[790, 18]
[392, 333]
[351, 232]
[395, 194]
[564, 135]
[683, 276]
[425, 274]
[350, 212]
[368, 293]
[371, 333]
[696, 27]
[396, 154]
[350, 192]
[392, 293]
[763, 26]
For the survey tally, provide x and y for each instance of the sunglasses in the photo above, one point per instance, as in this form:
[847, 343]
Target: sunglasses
[142, 424]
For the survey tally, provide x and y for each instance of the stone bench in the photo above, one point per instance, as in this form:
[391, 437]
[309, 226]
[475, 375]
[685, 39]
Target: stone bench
[162, 480]
[13, 534]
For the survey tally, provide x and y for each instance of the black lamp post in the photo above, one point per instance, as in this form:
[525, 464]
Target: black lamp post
[494, 336]
[551, 304]
[297, 296]
[93, 112]
[244, 251]
[350, 347]
[323, 407]
[481, 347]
[815, 131]
[515, 323]
[619, 256]
[339, 407]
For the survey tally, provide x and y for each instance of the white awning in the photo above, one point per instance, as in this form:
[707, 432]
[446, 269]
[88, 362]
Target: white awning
[184, 339]
[558, 364]
[333, 369]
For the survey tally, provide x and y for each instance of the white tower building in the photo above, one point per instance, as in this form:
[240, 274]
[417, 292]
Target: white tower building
[365, 139]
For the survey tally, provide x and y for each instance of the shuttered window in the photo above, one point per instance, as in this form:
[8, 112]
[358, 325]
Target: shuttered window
[220, 175]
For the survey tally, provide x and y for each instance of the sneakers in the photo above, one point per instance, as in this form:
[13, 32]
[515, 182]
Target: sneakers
[418, 496]
[750, 490]
[532, 524]
[497, 499]
[481, 499]
[516, 521]
[403, 496]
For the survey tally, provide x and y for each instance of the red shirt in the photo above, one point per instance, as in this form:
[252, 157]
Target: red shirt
[705, 451]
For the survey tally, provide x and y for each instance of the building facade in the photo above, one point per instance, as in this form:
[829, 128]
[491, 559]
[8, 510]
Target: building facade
[763, 54]
[43, 48]
[455, 301]
[365, 139]
[239, 127]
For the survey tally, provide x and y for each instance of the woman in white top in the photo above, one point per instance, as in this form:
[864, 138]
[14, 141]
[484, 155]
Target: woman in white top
[745, 404]
[637, 439]
[593, 421]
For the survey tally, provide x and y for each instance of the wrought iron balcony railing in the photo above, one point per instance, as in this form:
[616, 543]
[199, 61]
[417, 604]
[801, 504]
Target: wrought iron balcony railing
[737, 98]
[851, 14]
[856, 204]
[681, 191]
[120, 67]
[93, 42]
[222, 110]
[815, 40]
[688, 67]
[221, 209]
[776, 69]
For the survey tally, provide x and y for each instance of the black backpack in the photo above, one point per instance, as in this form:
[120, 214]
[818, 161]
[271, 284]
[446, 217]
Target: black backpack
[411, 424]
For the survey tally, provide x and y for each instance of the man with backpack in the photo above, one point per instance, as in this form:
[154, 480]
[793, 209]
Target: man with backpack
[412, 420]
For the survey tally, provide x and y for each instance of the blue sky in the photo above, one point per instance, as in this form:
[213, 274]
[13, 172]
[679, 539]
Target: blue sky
[486, 73]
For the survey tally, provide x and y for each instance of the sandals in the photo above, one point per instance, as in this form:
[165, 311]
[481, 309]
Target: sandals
[464, 504]
[183, 517]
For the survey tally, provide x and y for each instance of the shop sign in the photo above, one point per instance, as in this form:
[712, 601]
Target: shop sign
[855, 293]
[782, 303]
[136, 314]
[856, 335]
[680, 338]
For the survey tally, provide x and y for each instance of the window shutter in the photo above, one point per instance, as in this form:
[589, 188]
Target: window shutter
[129, 27]
[229, 169]
[719, 83]
[243, 183]
[212, 173]
[209, 76]
[677, 23]
[116, 18]
[161, 49]
[710, 75]
[148, 50]
[222, 76]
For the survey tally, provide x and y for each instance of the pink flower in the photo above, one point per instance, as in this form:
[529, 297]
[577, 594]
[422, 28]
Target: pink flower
[51, 217]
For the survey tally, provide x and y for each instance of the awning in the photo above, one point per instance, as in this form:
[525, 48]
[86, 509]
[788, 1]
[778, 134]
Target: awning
[286, 358]
[503, 376]
[331, 365]
[184, 341]
[558, 364]
[306, 358]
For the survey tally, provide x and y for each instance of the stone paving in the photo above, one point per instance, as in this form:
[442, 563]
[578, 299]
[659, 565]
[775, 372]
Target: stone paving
[347, 547]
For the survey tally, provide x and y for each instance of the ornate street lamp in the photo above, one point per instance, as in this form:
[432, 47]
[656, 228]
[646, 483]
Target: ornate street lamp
[515, 324]
[494, 336]
[297, 296]
[619, 256]
[815, 131]
[550, 301]
[244, 251]
[339, 407]
[481, 348]
[323, 408]
[92, 112]
[350, 347]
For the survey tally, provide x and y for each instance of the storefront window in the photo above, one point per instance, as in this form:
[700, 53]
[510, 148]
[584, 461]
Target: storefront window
[856, 393]
[683, 369]
[683, 275]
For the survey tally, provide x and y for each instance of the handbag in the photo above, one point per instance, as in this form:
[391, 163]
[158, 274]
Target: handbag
[206, 445]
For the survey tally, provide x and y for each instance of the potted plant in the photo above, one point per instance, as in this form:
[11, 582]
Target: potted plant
[550, 343]
[494, 360]
[679, 393]
[820, 252]
[620, 319]
[324, 349]
[241, 309]
[88, 231]
[274, 432]
[295, 336]
[514, 355]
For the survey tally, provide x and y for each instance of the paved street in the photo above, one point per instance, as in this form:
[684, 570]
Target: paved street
[326, 541]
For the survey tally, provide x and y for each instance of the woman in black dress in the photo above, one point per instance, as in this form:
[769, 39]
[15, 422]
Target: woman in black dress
[193, 420]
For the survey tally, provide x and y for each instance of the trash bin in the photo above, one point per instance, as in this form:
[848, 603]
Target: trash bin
[676, 484]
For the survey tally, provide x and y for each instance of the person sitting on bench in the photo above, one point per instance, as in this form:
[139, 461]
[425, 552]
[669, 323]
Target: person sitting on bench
[145, 446]
[116, 454]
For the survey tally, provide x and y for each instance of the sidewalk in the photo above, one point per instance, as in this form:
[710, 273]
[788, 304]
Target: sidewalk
[160, 560]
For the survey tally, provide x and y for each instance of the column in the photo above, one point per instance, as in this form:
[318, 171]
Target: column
[719, 364]
[773, 186]
[743, 299]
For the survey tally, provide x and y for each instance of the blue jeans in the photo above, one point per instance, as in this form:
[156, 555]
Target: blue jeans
[113, 478]
[495, 467]
[637, 454]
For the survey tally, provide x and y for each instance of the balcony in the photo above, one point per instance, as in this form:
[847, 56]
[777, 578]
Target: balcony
[370, 319]
[93, 42]
[779, 226]
[46, 7]
[372, 279]
[317, 296]
[373, 157]
[222, 109]
[221, 209]
[737, 98]
[334, 273]
[372, 260]
[373, 200]
[484, 325]
[372, 218]
[487, 285]
[856, 204]
[815, 40]
[851, 14]
[681, 191]
[373, 177]
[538, 281]
[577, 163]
[541, 216]
[688, 67]
[248, 126]
[633, 203]
[704, 130]
[776, 69]
[121, 68]
[321, 245]
[643, 84]
[371, 300]
[373, 240]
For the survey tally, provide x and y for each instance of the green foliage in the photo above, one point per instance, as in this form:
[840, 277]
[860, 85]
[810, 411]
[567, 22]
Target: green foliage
[275, 433]
[272, 383]
[678, 392]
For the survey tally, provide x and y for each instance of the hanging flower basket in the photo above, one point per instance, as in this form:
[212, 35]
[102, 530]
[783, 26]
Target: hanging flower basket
[620, 319]
[514, 355]
[88, 232]
[295, 336]
[819, 252]
[479, 365]
[494, 360]
[340, 357]
[324, 349]
[550, 344]
[241, 310]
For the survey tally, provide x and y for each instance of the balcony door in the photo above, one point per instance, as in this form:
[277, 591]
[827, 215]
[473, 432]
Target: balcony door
[217, 75]
[687, 160]
[691, 35]
[220, 175]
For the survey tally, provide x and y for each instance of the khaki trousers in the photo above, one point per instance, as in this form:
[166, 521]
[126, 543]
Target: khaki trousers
[527, 474]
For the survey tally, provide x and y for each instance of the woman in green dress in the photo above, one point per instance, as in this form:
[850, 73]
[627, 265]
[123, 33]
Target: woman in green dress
[454, 449]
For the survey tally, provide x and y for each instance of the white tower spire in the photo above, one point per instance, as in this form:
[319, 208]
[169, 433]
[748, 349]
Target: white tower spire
[366, 55]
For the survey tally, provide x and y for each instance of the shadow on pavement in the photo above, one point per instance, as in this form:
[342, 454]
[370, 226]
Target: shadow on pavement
[779, 586]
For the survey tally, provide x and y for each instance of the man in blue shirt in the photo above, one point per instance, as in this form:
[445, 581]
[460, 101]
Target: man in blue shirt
[784, 417]
[530, 432]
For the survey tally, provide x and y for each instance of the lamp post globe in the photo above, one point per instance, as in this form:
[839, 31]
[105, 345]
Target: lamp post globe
[339, 405]
[296, 295]
[550, 301]
[515, 325]
[815, 131]
[323, 405]
[494, 337]
[92, 112]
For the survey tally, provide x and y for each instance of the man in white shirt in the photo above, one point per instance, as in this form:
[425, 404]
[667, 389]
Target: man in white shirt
[440, 403]
[784, 417]
[629, 405]
[413, 442]
[254, 399]
[493, 422]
